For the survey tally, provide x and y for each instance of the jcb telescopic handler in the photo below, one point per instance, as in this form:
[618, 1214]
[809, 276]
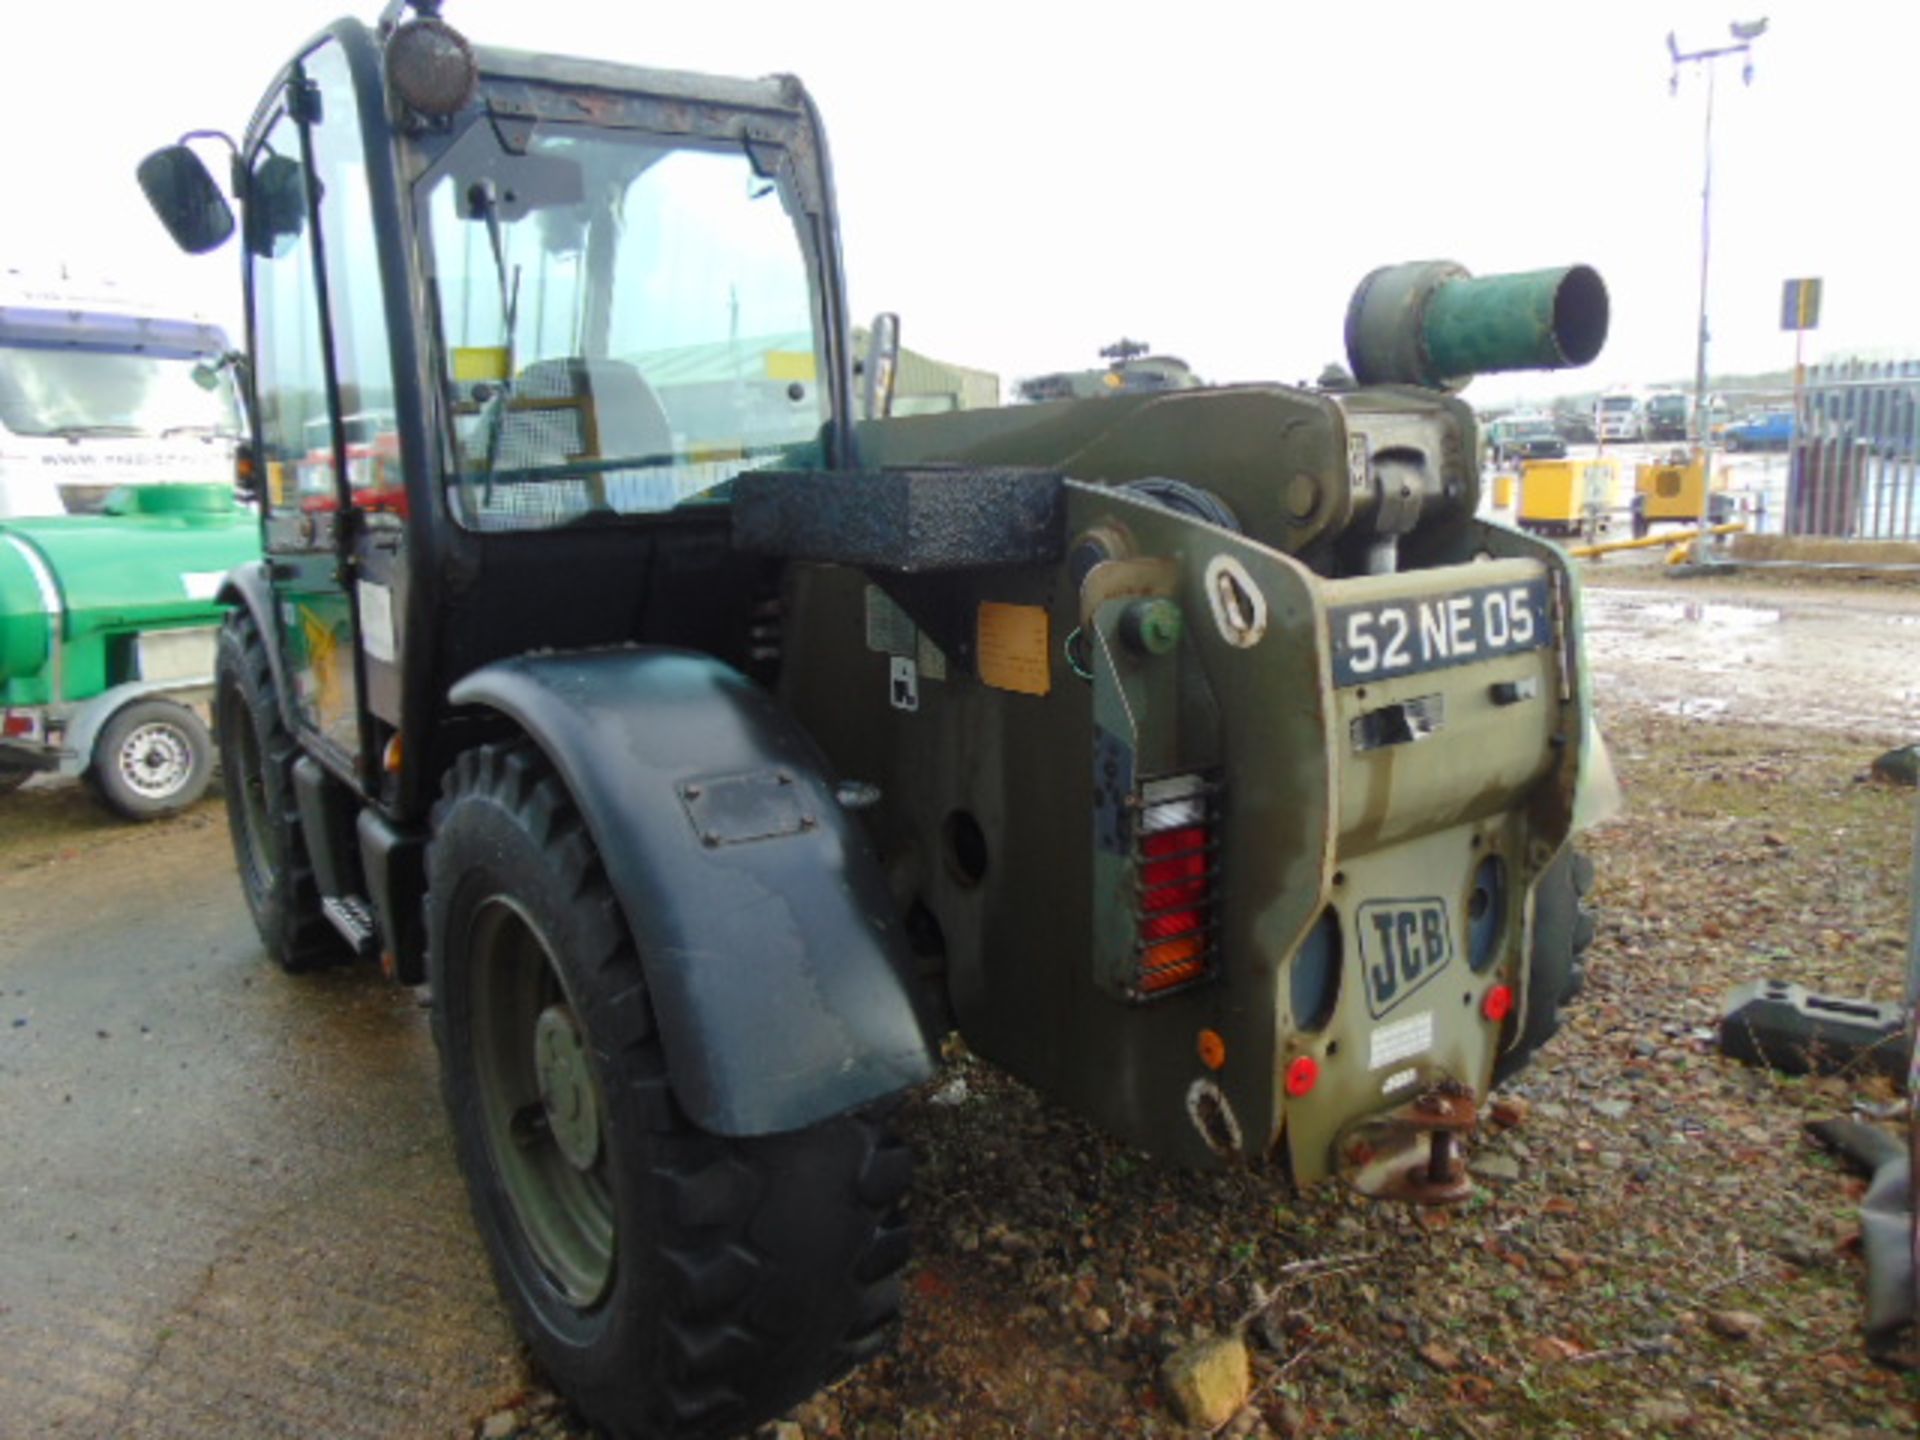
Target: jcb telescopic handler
[1199, 756]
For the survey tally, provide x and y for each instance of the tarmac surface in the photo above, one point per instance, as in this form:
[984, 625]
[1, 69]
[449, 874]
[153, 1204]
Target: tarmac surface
[1828, 657]
[228, 1206]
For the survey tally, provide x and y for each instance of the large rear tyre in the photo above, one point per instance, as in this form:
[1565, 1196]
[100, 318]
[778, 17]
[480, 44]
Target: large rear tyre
[670, 1283]
[1563, 927]
[153, 758]
[257, 754]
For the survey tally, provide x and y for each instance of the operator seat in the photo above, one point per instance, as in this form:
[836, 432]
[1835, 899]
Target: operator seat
[575, 408]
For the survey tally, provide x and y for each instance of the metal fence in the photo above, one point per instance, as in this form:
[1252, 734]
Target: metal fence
[1855, 469]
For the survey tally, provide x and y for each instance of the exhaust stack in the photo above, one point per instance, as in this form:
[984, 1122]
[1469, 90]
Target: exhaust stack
[1431, 323]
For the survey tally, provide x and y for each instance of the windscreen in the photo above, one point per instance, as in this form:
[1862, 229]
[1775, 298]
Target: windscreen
[76, 394]
[625, 324]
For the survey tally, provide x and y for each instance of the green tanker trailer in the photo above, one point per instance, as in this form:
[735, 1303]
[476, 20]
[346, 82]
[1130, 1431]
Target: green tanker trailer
[107, 629]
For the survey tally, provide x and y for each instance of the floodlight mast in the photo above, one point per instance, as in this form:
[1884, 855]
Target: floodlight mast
[1744, 33]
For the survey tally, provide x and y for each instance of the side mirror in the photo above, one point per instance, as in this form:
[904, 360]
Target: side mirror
[880, 366]
[186, 199]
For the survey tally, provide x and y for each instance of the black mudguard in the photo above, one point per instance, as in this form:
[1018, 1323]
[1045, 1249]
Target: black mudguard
[248, 585]
[779, 970]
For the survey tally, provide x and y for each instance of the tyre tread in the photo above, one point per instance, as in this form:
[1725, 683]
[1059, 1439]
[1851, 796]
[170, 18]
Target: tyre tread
[781, 1254]
[296, 932]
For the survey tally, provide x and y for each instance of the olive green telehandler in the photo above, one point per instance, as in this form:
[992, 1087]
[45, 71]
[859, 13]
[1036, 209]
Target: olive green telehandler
[1198, 756]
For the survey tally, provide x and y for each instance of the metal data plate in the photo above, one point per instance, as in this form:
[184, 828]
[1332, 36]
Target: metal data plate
[1385, 639]
[733, 809]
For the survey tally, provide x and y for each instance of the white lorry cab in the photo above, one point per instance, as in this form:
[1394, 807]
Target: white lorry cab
[1620, 415]
[98, 391]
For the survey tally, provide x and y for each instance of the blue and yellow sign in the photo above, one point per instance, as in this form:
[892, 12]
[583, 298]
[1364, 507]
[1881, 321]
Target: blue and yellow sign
[1800, 305]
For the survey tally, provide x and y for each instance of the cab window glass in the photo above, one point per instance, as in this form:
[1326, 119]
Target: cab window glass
[363, 369]
[626, 325]
[289, 367]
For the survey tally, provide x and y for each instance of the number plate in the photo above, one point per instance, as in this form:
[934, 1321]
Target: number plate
[1403, 945]
[1389, 638]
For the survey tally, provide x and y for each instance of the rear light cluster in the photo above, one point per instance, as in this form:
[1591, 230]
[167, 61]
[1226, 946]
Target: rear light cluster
[20, 724]
[1176, 865]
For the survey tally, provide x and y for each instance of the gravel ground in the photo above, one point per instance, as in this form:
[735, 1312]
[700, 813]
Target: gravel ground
[1655, 1248]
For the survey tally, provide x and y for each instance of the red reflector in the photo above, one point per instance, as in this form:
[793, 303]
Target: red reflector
[18, 725]
[1302, 1075]
[1498, 1004]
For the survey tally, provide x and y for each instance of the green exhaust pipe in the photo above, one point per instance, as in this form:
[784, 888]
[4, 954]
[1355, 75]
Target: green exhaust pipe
[1431, 323]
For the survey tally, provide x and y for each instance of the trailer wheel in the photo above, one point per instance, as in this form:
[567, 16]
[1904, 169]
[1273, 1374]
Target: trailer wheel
[668, 1281]
[1563, 927]
[152, 758]
[257, 753]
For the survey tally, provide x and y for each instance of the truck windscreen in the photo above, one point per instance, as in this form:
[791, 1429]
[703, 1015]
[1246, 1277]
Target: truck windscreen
[82, 392]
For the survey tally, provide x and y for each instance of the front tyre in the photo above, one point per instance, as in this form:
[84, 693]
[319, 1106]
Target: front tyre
[671, 1283]
[153, 758]
[269, 851]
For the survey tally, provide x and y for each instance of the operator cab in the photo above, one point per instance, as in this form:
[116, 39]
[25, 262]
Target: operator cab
[518, 322]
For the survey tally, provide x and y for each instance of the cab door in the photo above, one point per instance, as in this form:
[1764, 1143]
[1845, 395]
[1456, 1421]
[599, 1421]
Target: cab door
[331, 491]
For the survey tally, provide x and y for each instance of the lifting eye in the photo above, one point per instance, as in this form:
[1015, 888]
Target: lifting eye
[1239, 608]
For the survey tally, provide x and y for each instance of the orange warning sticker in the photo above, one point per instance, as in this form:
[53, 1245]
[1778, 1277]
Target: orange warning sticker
[1014, 654]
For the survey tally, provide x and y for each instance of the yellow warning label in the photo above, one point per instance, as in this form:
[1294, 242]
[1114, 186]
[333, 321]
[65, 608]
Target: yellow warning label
[790, 365]
[480, 362]
[1014, 653]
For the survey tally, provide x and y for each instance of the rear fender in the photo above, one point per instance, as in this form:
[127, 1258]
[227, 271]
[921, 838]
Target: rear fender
[89, 719]
[778, 968]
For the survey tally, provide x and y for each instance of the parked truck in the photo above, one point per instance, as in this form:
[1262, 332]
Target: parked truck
[1198, 755]
[1619, 415]
[1669, 415]
[107, 626]
[99, 391]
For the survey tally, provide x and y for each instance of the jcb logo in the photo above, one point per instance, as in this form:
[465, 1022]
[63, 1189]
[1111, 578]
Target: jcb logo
[1403, 944]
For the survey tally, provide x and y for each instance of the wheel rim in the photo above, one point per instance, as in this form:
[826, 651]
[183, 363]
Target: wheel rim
[259, 856]
[155, 761]
[540, 1103]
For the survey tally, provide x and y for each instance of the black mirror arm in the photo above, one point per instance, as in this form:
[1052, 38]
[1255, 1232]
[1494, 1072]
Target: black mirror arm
[236, 171]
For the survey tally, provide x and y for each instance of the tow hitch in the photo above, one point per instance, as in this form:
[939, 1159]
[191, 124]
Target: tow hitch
[1413, 1152]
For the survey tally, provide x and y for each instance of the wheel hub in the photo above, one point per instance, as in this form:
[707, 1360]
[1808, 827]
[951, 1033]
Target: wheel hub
[155, 761]
[566, 1087]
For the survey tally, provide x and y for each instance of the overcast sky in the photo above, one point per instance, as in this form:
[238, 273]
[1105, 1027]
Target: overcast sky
[1026, 182]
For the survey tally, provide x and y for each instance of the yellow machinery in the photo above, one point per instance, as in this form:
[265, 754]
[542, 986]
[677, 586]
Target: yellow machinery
[1566, 497]
[1672, 492]
[1681, 543]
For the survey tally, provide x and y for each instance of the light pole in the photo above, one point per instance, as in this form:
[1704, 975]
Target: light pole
[1744, 32]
